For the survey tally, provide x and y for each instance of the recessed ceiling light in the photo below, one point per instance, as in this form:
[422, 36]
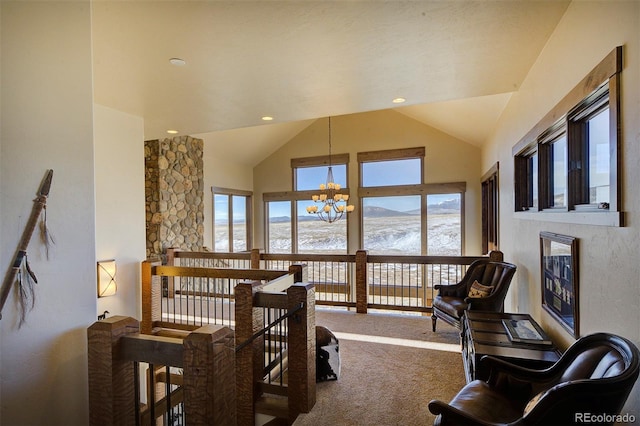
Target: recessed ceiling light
[177, 61]
[172, 132]
[267, 118]
[398, 100]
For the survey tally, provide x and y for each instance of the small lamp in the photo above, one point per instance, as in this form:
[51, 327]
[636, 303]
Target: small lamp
[107, 278]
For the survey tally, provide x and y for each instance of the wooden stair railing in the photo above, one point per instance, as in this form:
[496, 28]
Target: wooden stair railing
[253, 395]
[206, 355]
[351, 280]
[276, 290]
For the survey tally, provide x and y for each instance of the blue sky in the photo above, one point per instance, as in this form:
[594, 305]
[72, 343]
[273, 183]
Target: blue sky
[383, 173]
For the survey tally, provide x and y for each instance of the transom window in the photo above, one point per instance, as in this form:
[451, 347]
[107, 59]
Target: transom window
[392, 172]
[307, 178]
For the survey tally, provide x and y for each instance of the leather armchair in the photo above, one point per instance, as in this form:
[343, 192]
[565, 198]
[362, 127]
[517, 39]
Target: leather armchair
[452, 300]
[592, 378]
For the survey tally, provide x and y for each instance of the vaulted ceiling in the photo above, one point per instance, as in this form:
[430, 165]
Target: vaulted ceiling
[455, 62]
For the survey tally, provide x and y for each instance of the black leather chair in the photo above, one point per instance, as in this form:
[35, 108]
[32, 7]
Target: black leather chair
[452, 300]
[593, 379]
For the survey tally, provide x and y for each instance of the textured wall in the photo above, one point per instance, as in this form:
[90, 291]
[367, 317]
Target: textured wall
[174, 194]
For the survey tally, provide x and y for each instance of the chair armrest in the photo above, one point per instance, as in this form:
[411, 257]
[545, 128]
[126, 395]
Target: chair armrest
[451, 415]
[458, 290]
[503, 373]
[493, 302]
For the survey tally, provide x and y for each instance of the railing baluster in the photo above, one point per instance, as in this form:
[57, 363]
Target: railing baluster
[169, 411]
[151, 392]
[136, 390]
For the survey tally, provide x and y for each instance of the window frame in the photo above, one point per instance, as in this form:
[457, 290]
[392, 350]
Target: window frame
[294, 196]
[599, 89]
[578, 120]
[546, 169]
[230, 193]
[421, 189]
[490, 184]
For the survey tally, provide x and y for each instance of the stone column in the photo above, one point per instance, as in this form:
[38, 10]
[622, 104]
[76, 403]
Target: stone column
[174, 192]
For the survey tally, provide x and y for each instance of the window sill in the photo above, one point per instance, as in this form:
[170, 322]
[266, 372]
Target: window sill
[596, 218]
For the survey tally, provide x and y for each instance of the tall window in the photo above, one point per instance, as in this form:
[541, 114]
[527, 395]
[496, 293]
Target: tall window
[599, 167]
[402, 215]
[231, 220]
[591, 123]
[574, 159]
[314, 235]
[556, 166]
[290, 229]
[392, 225]
[444, 224]
[278, 214]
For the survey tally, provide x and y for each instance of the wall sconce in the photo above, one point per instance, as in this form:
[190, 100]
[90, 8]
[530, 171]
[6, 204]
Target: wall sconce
[107, 278]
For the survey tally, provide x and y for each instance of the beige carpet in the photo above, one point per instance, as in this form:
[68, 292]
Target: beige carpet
[391, 367]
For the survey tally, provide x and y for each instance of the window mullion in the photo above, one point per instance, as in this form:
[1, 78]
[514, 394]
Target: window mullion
[294, 227]
[545, 177]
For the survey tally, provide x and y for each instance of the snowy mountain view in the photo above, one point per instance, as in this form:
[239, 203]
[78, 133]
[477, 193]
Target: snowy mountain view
[386, 231]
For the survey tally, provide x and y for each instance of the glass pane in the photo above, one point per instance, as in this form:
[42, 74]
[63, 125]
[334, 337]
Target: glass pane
[312, 177]
[318, 236]
[559, 158]
[444, 225]
[279, 226]
[599, 158]
[239, 223]
[392, 225]
[221, 222]
[394, 172]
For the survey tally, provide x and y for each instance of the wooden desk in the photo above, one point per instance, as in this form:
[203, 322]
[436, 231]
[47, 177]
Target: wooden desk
[483, 333]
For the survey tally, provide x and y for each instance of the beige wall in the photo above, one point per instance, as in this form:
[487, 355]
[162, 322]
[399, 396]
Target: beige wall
[609, 268]
[46, 97]
[120, 210]
[221, 172]
[447, 159]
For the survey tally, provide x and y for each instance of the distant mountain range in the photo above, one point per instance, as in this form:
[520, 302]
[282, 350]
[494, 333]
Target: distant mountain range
[447, 205]
[444, 207]
[375, 211]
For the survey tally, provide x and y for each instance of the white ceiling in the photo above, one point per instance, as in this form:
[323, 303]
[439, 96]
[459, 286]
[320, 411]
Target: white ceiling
[456, 62]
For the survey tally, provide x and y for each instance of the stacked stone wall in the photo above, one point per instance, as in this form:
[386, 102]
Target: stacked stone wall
[174, 191]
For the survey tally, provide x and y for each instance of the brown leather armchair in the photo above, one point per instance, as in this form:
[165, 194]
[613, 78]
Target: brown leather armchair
[452, 300]
[589, 384]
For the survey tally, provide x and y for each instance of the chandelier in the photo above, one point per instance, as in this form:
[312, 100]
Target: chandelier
[330, 205]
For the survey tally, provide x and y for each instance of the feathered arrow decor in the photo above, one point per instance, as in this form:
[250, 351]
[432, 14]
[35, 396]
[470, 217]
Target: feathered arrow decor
[20, 272]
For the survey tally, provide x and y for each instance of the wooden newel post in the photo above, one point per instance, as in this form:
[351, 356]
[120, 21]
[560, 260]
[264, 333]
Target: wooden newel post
[255, 258]
[151, 296]
[362, 294]
[209, 376]
[250, 359]
[496, 256]
[171, 261]
[302, 349]
[300, 273]
[111, 380]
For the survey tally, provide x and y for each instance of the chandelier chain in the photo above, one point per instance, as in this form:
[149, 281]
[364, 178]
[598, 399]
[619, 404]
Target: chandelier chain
[331, 203]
